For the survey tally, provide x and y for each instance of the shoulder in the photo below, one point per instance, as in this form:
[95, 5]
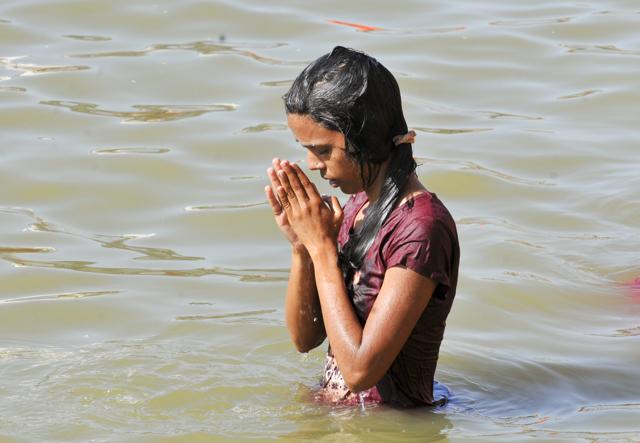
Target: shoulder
[418, 228]
[422, 236]
[419, 218]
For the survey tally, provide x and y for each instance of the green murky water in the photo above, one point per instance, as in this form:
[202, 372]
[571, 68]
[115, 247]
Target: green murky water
[142, 278]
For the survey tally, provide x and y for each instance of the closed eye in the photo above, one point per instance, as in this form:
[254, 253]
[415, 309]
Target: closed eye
[320, 150]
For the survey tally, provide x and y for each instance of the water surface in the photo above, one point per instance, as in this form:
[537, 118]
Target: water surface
[141, 275]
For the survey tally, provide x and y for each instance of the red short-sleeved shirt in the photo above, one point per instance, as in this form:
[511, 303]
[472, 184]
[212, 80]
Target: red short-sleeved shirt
[419, 235]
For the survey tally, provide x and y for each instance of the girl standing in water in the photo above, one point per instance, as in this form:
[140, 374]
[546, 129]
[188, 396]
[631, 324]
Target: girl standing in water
[377, 277]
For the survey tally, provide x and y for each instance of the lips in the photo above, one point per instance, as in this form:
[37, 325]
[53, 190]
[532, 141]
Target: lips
[333, 183]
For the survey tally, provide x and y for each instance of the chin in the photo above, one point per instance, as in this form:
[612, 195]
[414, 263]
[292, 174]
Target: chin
[349, 190]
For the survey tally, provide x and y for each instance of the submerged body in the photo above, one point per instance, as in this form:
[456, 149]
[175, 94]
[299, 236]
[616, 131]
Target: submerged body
[377, 278]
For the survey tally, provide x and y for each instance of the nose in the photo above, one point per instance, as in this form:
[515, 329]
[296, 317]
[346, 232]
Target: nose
[314, 162]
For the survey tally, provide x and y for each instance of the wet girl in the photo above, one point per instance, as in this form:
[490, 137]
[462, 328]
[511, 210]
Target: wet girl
[377, 277]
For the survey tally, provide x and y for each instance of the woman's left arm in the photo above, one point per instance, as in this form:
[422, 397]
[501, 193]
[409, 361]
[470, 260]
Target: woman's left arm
[363, 354]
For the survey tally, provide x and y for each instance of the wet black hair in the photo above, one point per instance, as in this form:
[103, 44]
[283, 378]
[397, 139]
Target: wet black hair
[351, 92]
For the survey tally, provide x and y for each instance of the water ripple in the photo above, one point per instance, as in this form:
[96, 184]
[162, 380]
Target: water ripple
[12, 88]
[33, 69]
[560, 435]
[277, 83]
[244, 177]
[223, 316]
[144, 113]
[200, 47]
[496, 114]
[470, 165]
[531, 22]
[25, 250]
[424, 30]
[599, 49]
[262, 127]
[127, 151]
[245, 275]
[611, 407]
[120, 242]
[450, 131]
[63, 296]
[106, 241]
[580, 94]
[227, 206]
[628, 332]
[88, 38]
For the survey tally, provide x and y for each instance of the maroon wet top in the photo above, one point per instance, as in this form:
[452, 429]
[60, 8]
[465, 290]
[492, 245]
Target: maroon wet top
[419, 235]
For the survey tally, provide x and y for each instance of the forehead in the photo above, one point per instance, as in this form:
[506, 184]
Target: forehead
[309, 132]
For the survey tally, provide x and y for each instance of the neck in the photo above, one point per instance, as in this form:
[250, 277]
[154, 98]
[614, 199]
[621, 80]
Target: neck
[373, 191]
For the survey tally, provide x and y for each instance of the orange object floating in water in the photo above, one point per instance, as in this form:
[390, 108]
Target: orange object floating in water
[359, 27]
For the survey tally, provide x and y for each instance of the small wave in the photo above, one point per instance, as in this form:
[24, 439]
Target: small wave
[228, 206]
[17, 210]
[431, 30]
[610, 407]
[520, 276]
[88, 38]
[229, 315]
[12, 89]
[277, 83]
[206, 47]
[262, 127]
[496, 115]
[63, 296]
[244, 177]
[144, 113]
[25, 250]
[531, 22]
[470, 165]
[628, 332]
[580, 94]
[451, 131]
[33, 69]
[599, 49]
[126, 151]
[245, 275]
[106, 241]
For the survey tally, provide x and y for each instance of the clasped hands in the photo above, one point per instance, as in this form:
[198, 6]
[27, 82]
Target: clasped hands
[300, 211]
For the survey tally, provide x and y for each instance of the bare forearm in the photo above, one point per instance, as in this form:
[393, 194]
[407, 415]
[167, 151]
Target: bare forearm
[302, 306]
[341, 322]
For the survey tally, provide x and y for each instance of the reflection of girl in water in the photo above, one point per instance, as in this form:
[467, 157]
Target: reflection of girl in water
[378, 276]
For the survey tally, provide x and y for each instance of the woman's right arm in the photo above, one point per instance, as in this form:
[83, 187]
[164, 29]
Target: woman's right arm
[303, 313]
[302, 305]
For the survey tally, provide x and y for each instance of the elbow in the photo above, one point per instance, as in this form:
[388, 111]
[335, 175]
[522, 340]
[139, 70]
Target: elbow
[303, 346]
[359, 380]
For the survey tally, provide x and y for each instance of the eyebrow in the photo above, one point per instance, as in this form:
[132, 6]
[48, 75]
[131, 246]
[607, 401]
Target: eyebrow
[313, 146]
